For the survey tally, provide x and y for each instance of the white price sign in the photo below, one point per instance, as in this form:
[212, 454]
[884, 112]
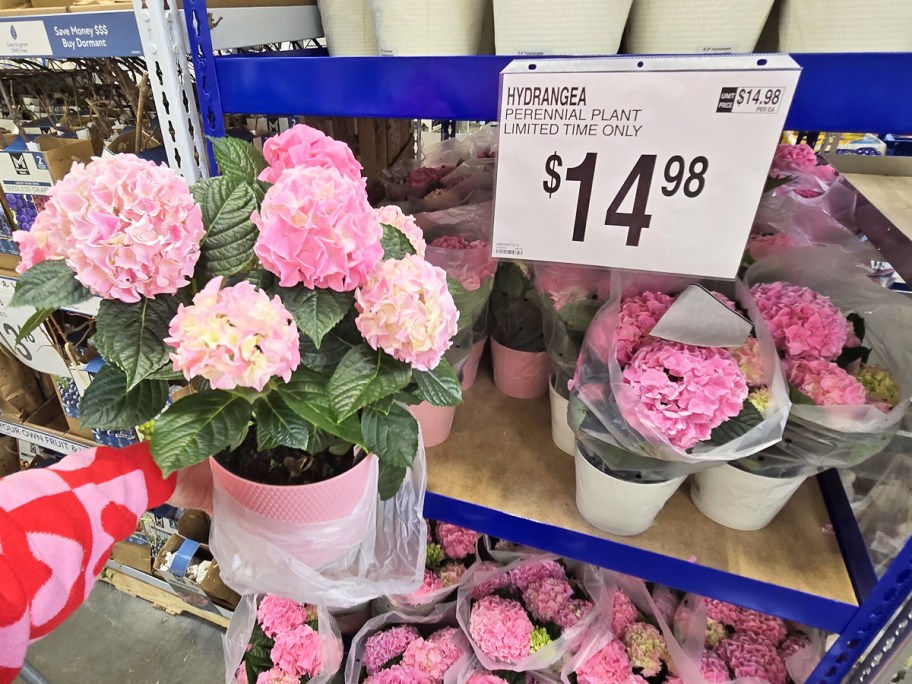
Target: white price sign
[642, 163]
[35, 350]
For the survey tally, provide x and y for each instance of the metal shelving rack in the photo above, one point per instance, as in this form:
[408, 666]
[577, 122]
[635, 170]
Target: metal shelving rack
[845, 92]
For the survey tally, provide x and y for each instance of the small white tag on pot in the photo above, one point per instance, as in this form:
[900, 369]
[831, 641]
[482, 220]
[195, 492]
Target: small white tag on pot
[700, 319]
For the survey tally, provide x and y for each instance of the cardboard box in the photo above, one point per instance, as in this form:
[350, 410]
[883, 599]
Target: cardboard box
[52, 3]
[9, 456]
[134, 552]
[210, 587]
[194, 525]
[70, 410]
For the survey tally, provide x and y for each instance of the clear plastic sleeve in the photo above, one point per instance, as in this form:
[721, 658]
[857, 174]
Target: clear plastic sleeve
[240, 628]
[828, 218]
[468, 665]
[607, 416]
[516, 310]
[259, 555]
[821, 437]
[502, 551]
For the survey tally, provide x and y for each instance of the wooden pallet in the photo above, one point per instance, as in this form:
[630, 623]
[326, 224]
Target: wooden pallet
[161, 599]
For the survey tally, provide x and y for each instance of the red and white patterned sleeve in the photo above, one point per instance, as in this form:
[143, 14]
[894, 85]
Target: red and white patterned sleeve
[57, 527]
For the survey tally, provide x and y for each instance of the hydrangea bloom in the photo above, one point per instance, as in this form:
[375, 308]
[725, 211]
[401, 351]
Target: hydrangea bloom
[501, 629]
[317, 229]
[234, 337]
[803, 322]
[298, 651]
[126, 227]
[433, 656]
[485, 677]
[748, 359]
[715, 633]
[539, 639]
[759, 246]
[276, 676]
[547, 598]
[457, 242]
[637, 317]
[878, 384]
[646, 648]
[398, 674]
[790, 158]
[277, 615]
[451, 574]
[572, 613]
[432, 583]
[533, 570]
[720, 611]
[825, 382]
[406, 310]
[624, 613]
[435, 555]
[457, 542]
[391, 215]
[686, 391]
[303, 146]
[712, 667]
[240, 677]
[750, 655]
[760, 398]
[792, 645]
[382, 647]
[488, 586]
[769, 627]
[608, 664]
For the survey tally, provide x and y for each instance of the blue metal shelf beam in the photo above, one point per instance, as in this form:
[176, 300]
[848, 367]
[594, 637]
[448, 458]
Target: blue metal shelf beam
[836, 92]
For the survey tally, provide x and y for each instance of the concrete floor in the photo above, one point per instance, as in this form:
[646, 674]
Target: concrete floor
[117, 639]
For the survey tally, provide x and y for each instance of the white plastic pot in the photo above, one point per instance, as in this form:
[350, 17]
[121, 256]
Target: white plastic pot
[349, 27]
[695, 26]
[428, 27]
[619, 506]
[845, 26]
[568, 27]
[561, 433]
[739, 499]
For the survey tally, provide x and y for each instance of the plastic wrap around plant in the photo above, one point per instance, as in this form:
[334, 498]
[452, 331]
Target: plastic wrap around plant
[610, 422]
[570, 297]
[516, 312]
[487, 581]
[259, 554]
[410, 179]
[468, 666]
[442, 616]
[821, 437]
[237, 638]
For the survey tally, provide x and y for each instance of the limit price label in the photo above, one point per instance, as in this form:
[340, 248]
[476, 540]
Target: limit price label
[646, 163]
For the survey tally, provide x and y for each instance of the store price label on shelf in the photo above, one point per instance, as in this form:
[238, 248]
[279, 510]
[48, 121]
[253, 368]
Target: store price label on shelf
[641, 163]
[35, 350]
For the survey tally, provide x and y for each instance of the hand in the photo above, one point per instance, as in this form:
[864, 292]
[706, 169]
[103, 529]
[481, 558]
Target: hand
[194, 488]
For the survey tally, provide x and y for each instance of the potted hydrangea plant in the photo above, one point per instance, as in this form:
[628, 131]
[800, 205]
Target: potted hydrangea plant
[301, 322]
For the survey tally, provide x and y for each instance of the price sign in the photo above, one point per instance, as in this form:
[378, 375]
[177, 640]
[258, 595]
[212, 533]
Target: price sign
[35, 350]
[642, 163]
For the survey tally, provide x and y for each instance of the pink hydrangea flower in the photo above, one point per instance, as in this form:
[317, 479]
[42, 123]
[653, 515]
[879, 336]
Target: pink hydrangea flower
[488, 586]
[751, 655]
[825, 173]
[433, 656]
[825, 382]
[573, 613]
[712, 667]
[791, 158]
[398, 674]
[608, 665]
[382, 647]
[391, 215]
[427, 175]
[457, 542]
[234, 337]
[793, 644]
[240, 677]
[432, 583]
[747, 356]
[720, 611]
[624, 613]
[276, 676]
[501, 629]
[547, 598]
[803, 322]
[760, 246]
[317, 229]
[686, 391]
[485, 677]
[126, 227]
[303, 146]
[406, 310]
[458, 242]
[769, 627]
[276, 615]
[646, 648]
[534, 570]
[451, 574]
[637, 317]
[298, 651]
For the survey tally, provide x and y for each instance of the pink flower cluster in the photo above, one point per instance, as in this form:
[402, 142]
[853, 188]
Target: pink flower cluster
[277, 615]
[751, 655]
[464, 260]
[624, 613]
[567, 283]
[686, 391]
[435, 655]
[760, 246]
[126, 227]
[457, 242]
[297, 649]
[825, 382]
[234, 337]
[450, 548]
[501, 629]
[609, 665]
[317, 229]
[303, 146]
[547, 598]
[534, 570]
[495, 581]
[424, 660]
[485, 677]
[747, 356]
[637, 317]
[646, 649]
[457, 542]
[712, 668]
[804, 323]
[406, 309]
[790, 158]
[427, 175]
[391, 215]
[382, 647]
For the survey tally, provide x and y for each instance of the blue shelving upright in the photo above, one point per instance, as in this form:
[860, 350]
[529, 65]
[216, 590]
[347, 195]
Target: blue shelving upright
[841, 92]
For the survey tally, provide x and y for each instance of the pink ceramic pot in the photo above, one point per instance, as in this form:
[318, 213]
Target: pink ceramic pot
[470, 370]
[435, 422]
[518, 374]
[311, 503]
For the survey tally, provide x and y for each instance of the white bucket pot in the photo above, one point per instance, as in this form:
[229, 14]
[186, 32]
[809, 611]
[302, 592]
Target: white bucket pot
[428, 27]
[619, 506]
[845, 26]
[695, 26]
[739, 499]
[561, 433]
[349, 27]
[568, 27]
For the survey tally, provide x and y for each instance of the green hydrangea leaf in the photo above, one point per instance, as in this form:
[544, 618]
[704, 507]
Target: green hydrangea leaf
[238, 159]
[108, 405]
[440, 386]
[49, 285]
